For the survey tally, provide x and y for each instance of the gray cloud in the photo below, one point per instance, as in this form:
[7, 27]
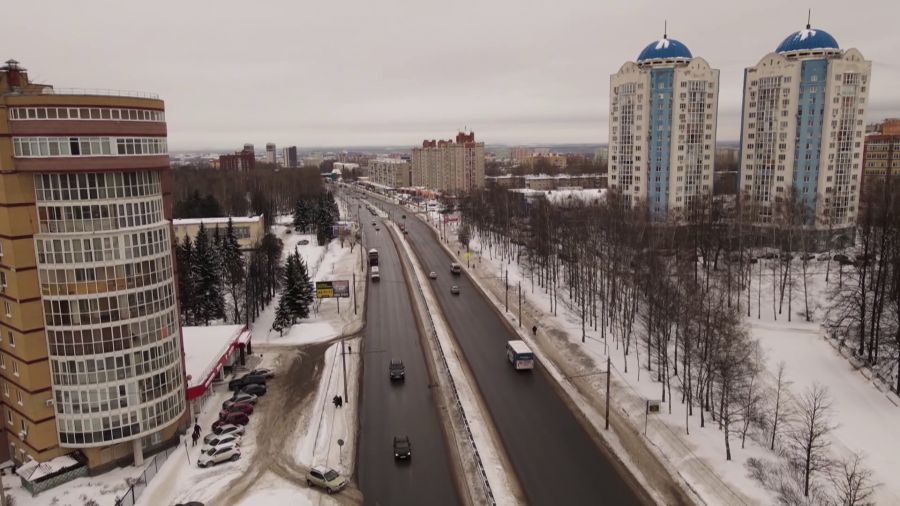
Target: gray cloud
[395, 71]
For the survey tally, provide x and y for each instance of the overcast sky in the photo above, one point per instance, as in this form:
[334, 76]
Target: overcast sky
[374, 72]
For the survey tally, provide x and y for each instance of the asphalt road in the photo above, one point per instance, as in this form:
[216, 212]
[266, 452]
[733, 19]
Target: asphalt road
[556, 460]
[397, 408]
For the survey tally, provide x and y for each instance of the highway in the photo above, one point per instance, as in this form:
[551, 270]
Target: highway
[398, 408]
[555, 459]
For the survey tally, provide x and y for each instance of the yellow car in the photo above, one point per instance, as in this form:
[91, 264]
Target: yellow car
[327, 478]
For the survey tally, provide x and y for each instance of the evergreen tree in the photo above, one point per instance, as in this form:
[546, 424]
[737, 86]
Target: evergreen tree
[282, 317]
[302, 215]
[305, 294]
[184, 252]
[207, 280]
[233, 268]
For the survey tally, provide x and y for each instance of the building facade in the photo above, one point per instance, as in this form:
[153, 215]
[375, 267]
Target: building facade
[882, 150]
[449, 166]
[391, 172]
[271, 153]
[248, 230]
[91, 355]
[241, 160]
[802, 131]
[662, 135]
[289, 157]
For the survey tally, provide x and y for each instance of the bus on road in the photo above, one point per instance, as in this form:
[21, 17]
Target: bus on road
[373, 257]
[519, 355]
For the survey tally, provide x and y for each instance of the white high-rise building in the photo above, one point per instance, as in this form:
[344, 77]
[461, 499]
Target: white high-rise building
[662, 133]
[803, 130]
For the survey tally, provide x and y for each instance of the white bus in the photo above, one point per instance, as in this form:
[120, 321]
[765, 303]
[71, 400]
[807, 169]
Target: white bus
[519, 355]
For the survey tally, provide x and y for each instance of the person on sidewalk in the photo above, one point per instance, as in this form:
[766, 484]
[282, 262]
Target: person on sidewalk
[534, 330]
[336, 401]
[194, 438]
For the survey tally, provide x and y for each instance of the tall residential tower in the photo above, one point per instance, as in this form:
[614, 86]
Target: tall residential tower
[803, 130]
[662, 134]
[90, 351]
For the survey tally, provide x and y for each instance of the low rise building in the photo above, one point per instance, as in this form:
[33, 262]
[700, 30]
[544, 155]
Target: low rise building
[248, 230]
[881, 156]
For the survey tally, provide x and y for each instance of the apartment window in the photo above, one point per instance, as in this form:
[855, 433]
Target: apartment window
[8, 416]
[12, 339]
[8, 308]
[1, 250]
[6, 389]
[15, 367]
[3, 279]
[19, 397]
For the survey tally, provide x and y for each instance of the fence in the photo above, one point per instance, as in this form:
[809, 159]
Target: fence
[140, 483]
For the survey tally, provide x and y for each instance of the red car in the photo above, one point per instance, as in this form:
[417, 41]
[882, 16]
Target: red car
[234, 417]
[240, 407]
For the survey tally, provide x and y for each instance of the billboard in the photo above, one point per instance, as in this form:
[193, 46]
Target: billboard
[332, 289]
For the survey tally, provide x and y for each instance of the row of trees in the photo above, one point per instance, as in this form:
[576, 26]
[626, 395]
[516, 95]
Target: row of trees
[670, 301]
[317, 213]
[217, 281]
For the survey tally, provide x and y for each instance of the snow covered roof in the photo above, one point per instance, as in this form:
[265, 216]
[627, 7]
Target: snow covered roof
[809, 39]
[665, 49]
[205, 349]
[33, 470]
[216, 221]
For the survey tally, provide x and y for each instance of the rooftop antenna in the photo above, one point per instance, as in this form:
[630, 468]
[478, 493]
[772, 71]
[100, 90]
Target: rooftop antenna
[809, 19]
[665, 28]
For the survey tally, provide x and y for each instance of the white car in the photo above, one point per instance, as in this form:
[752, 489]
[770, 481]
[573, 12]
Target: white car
[432, 275]
[220, 439]
[228, 428]
[218, 454]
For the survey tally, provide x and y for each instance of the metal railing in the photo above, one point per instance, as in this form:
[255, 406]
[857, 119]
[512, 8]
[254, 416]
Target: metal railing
[96, 92]
[478, 462]
[140, 483]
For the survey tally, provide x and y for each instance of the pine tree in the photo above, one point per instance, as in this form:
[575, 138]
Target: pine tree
[305, 295]
[207, 280]
[282, 317]
[184, 252]
[233, 268]
[302, 216]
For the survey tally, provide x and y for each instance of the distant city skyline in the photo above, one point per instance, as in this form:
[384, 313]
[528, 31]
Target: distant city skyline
[513, 73]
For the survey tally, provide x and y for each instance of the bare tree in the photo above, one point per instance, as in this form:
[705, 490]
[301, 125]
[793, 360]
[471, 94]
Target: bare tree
[809, 435]
[781, 412]
[852, 482]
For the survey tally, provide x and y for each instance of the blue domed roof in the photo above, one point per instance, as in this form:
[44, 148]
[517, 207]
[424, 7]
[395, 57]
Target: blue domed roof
[665, 49]
[807, 40]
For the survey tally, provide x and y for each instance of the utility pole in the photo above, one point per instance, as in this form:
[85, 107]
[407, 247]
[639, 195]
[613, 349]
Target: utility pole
[507, 289]
[608, 374]
[520, 304]
[344, 363]
[354, 293]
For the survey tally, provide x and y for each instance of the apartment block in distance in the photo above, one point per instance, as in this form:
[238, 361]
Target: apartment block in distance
[289, 157]
[802, 131]
[882, 150]
[662, 132]
[91, 357]
[391, 172]
[449, 166]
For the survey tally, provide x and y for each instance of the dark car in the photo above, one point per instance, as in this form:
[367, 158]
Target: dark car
[254, 389]
[234, 417]
[240, 407]
[397, 370]
[402, 448]
[247, 379]
[265, 373]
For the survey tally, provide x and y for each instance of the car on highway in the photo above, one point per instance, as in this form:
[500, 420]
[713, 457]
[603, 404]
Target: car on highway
[255, 389]
[226, 428]
[455, 268]
[212, 440]
[265, 373]
[239, 398]
[432, 275]
[219, 454]
[402, 448]
[454, 290]
[375, 273]
[234, 417]
[373, 223]
[397, 370]
[240, 407]
[327, 478]
[378, 229]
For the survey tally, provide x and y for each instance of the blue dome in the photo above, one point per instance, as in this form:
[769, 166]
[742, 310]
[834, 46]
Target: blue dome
[665, 49]
[807, 40]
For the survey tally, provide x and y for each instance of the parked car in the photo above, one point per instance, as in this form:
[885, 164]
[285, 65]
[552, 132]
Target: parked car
[327, 478]
[234, 417]
[303, 242]
[247, 379]
[265, 373]
[227, 428]
[432, 275]
[402, 448]
[219, 454]
[454, 290]
[242, 397]
[240, 407]
[397, 370]
[212, 440]
[257, 390]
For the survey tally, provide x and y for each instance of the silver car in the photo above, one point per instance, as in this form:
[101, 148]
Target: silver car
[218, 454]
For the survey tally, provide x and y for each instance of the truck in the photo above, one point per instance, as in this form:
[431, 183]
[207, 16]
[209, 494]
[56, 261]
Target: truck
[373, 257]
[375, 274]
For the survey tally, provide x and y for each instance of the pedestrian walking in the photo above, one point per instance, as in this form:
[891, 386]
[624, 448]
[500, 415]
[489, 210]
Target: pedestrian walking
[534, 330]
[349, 349]
[336, 401]
[340, 401]
[194, 438]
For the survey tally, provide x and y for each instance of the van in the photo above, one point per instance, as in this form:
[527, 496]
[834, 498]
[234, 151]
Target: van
[455, 268]
[374, 273]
